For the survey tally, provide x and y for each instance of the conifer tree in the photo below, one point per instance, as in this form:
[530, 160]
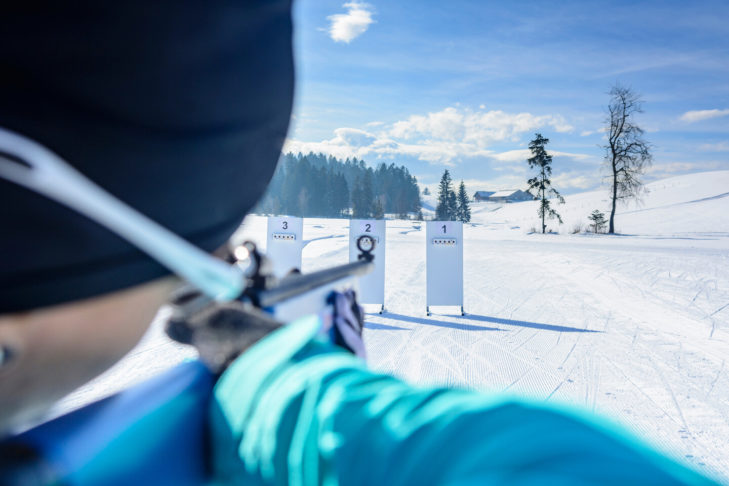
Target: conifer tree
[598, 220]
[357, 204]
[452, 206]
[341, 194]
[368, 200]
[464, 209]
[378, 212]
[541, 184]
[447, 205]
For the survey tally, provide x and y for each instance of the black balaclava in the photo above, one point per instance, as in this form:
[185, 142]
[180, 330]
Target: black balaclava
[178, 108]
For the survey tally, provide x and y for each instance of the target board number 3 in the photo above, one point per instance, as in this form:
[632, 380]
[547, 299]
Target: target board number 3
[285, 225]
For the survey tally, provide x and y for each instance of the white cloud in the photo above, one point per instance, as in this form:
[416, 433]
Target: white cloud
[518, 155]
[478, 127]
[659, 171]
[701, 115]
[587, 133]
[347, 142]
[353, 137]
[346, 27]
[521, 155]
[561, 182]
[575, 180]
[441, 137]
[715, 147]
[499, 183]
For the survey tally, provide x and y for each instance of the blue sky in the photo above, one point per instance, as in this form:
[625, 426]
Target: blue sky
[465, 85]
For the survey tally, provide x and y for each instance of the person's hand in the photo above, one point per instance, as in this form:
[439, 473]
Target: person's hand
[220, 331]
[348, 322]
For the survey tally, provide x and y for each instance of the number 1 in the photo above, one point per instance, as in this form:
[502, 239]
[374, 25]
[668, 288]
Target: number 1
[444, 229]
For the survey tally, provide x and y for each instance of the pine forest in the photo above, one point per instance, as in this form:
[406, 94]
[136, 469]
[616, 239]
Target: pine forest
[316, 185]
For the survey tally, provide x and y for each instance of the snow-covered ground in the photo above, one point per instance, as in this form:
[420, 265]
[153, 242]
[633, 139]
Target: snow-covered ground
[633, 326]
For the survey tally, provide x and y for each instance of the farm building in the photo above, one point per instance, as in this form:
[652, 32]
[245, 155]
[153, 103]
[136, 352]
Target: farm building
[482, 195]
[509, 196]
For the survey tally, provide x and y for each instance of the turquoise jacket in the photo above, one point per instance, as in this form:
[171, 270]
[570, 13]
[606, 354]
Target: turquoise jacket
[296, 410]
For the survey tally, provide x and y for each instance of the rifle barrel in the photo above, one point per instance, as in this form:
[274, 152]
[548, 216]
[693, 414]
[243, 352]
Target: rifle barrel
[298, 284]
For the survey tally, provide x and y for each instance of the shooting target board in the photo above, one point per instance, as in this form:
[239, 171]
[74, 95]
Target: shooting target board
[284, 243]
[372, 285]
[444, 263]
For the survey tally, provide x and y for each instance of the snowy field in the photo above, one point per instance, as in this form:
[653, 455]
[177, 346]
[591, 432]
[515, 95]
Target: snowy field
[634, 326]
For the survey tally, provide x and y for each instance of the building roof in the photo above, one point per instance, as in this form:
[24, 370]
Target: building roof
[483, 193]
[506, 193]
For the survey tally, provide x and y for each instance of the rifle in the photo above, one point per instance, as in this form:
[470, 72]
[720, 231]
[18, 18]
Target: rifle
[154, 433]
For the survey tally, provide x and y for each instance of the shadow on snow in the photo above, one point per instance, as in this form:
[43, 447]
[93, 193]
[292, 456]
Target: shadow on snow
[433, 322]
[533, 325]
[383, 327]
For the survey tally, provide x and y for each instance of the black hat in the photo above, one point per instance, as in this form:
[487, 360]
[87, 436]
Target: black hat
[179, 109]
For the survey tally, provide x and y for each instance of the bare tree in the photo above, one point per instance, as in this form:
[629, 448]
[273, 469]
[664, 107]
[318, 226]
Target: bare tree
[627, 154]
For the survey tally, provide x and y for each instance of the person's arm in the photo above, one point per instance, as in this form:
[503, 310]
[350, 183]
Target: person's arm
[296, 410]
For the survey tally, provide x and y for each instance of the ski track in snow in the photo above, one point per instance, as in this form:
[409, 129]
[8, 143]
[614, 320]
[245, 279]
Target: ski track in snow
[634, 327]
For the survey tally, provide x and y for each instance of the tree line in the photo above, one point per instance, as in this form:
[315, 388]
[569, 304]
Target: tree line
[316, 185]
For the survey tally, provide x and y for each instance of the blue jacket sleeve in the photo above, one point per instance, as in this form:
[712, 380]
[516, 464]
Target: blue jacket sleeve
[296, 410]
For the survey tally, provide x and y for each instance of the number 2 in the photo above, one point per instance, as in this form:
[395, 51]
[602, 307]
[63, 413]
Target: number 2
[368, 228]
[444, 228]
[285, 225]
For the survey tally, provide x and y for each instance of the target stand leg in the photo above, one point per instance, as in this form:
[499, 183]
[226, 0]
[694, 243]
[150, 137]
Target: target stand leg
[463, 313]
[427, 310]
[382, 309]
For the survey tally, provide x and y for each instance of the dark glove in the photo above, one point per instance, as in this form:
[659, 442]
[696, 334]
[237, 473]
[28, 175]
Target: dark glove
[220, 331]
[348, 322]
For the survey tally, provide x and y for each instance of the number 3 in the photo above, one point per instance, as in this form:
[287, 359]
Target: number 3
[285, 225]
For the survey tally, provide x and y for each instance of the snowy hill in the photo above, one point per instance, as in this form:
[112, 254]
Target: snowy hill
[429, 203]
[694, 203]
[635, 327]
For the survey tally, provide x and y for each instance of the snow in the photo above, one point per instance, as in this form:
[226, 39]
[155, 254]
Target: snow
[633, 326]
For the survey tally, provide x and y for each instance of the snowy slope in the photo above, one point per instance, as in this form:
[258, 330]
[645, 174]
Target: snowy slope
[633, 326]
[694, 203]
